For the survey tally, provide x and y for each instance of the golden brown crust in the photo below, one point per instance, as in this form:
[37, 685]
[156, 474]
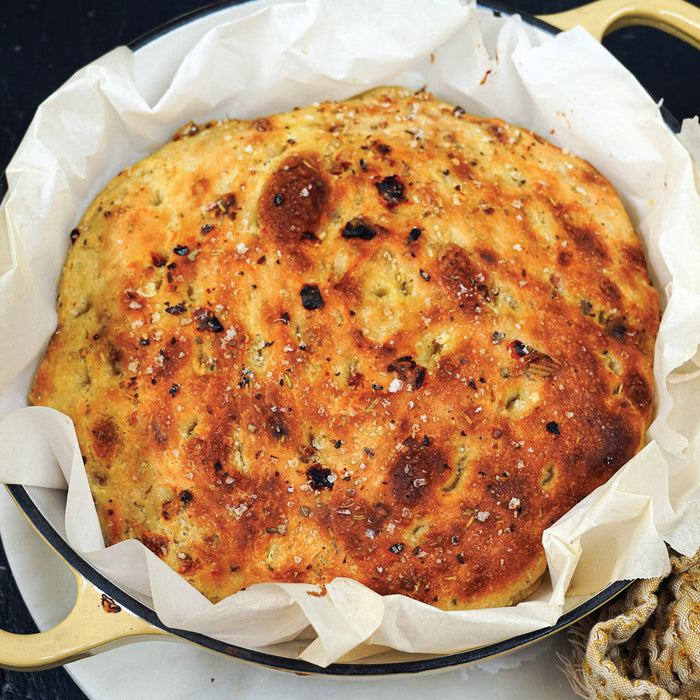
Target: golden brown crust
[380, 339]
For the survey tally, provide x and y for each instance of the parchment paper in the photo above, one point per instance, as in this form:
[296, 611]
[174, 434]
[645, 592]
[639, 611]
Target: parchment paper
[275, 55]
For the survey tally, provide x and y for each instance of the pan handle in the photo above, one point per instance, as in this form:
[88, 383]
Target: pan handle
[95, 624]
[676, 17]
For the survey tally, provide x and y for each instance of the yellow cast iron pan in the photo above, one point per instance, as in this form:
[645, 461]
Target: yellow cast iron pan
[105, 617]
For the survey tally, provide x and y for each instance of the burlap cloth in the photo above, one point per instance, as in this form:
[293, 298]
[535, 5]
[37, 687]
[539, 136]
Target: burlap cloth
[645, 643]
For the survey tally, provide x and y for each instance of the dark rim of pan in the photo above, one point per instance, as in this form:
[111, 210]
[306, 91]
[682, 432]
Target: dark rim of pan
[34, 515]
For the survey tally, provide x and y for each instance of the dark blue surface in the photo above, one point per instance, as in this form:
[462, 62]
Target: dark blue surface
[43, 43]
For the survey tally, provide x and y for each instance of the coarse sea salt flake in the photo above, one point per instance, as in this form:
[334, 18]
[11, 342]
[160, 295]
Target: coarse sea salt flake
[396, 385]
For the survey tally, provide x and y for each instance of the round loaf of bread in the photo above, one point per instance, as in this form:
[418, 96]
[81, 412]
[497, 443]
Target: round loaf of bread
[379, 339]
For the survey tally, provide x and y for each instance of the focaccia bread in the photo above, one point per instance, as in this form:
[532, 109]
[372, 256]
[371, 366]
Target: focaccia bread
[379, 339]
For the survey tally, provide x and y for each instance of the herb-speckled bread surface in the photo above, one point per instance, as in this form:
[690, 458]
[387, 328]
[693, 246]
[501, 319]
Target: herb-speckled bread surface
[380, 339]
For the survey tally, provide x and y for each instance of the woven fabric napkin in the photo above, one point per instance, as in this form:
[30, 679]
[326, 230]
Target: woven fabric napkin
[644, 644]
